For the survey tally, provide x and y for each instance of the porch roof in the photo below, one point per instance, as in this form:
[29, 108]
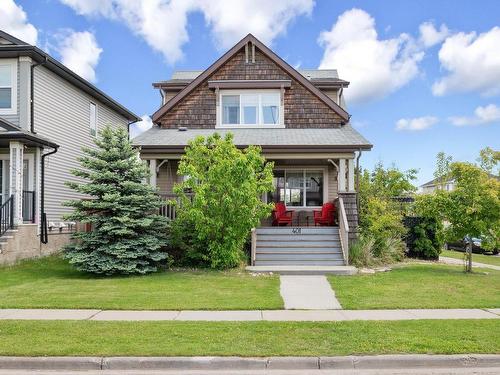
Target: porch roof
[10, 132]
[345, 137]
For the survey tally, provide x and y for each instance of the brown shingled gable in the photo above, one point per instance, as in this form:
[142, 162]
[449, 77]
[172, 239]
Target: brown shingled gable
[305, 105]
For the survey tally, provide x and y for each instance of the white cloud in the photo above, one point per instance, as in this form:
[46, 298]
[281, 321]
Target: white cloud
[80, 52]
[415, 124]
[430, 36]
[375, 67]
[163, 24]
[141, 126]
[14, 21]
[482, 115]
[473, 63]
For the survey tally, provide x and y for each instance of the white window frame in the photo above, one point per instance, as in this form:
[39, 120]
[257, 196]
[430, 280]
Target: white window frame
[304, 171]
[96, 119]
[280, 124]
[12, 63]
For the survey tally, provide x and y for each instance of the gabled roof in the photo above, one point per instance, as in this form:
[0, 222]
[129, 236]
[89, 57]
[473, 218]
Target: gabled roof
[268, 53]
[13, 47]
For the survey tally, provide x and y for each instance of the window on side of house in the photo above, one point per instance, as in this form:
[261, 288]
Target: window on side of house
[93, 119]
[298, 187]
[8, 86]
[250, 108]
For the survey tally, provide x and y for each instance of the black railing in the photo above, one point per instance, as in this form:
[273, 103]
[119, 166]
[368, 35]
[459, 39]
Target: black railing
[168, 209]
[29, 205]
[7, 215]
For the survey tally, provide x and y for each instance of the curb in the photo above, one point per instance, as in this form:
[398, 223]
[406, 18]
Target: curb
[242, 363]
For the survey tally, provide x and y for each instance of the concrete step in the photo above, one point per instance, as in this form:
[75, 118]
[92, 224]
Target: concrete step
[301, 262]
[297, 237]
[299, 250]
[301, 244]
[304, 270]
[297, 230]
[299, 256]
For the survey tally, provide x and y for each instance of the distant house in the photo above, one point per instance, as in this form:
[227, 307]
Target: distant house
[47, 114]
[300, 120]
[435, 184]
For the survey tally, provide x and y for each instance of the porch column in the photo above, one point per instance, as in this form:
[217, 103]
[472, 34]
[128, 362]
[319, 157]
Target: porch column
[152, 172]
[16, 179]
[350, 176]
[341, 179]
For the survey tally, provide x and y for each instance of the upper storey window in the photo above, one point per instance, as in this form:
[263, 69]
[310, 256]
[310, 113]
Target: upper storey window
[8, 86]
[249, 108]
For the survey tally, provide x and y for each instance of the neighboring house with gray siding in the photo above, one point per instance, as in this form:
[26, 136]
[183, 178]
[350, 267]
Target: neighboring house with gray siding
[44, 108]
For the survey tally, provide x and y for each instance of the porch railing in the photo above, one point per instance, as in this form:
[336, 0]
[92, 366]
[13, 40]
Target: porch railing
[343, 231]
[7, 215]
[29, 206]
[168, 209]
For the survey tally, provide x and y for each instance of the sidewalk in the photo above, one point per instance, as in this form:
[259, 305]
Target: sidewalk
[252, 315]
[454, 261]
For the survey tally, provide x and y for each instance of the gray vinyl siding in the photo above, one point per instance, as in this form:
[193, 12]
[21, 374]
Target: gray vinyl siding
[62, 115]
[15, 117]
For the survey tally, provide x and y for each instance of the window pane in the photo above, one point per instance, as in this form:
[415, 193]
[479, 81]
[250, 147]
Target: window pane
[294, 193]
[270, 108]
[278, 192]
[5, 98]
[5, 75]
[314, 188]
[93, 119]
[230, 109]
[250, 103]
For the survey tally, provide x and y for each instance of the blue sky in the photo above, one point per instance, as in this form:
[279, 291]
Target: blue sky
[440, 82]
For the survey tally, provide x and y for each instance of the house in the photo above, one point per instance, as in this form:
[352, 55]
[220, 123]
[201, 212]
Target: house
[435, 184]
[299, 118]
[47, 114]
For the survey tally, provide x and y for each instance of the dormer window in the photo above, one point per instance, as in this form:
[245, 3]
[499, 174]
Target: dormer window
[250, 108]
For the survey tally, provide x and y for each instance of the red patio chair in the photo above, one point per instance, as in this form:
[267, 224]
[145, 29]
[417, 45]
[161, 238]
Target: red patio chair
[281, 216]
[326, 216]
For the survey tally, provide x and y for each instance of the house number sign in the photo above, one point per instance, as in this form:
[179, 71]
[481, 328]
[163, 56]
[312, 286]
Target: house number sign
[296, 230]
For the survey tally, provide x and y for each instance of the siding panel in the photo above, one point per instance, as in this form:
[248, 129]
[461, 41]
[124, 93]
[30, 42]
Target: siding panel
[62, 115]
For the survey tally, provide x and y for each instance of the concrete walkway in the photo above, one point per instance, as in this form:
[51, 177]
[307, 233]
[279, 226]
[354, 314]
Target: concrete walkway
[460, 262]
[253, 315]
[307, 293]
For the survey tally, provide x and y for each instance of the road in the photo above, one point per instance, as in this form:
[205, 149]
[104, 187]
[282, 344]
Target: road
[423, 371]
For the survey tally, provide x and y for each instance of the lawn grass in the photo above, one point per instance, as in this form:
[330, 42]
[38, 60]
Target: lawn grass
[81, 338]
[480, 258]
[51, 283]
[419, 286]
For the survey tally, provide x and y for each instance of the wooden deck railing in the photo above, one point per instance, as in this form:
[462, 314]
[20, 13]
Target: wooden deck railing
[343, 231]
[169, 210]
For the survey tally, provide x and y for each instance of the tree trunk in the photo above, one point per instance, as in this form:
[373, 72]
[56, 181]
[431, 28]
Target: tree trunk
[469, 255]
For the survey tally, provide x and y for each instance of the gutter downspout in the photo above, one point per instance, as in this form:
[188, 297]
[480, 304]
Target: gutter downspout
[128, 128]
[32, 93]
[43, 231]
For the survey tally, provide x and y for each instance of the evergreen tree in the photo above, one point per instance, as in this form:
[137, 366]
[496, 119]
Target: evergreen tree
[128, 234]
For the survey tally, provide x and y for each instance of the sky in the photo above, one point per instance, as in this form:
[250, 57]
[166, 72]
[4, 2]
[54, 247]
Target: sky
[425, 75]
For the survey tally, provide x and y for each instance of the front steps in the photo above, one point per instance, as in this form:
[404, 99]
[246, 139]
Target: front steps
[299, 250]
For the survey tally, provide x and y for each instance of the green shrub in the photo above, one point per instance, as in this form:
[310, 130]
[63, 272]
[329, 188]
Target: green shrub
[227, 186]
[361, 252]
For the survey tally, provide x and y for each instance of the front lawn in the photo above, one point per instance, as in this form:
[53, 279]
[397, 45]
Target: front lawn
[419, 287]
[81, 338]
[480, 258]
[51, 283]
